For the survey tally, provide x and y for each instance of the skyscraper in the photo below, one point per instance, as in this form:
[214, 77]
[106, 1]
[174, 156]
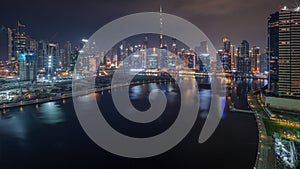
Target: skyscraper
[244, 62]
[234, 55]
[41, 54]
[68, 51]
[190, 59]
[27, 65]
[5, 44]
[219, 56]
[160, 28]
[226, 43]
[50, 59]
[289, 52]
[273, 51]
[202, 49]
[174, 46]
[19, 46]
[20, 40]
[244, 49]
[61, 59]
[254, 59]
[226, 58]
[203, 56]
[74, 56]
[264, 62]
[152, 59]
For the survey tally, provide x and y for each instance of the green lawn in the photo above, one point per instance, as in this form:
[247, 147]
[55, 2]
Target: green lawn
[271, 126]
[274, 127]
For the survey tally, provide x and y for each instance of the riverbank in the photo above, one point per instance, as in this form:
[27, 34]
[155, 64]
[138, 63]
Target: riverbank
[265, 155]
[69, 95]
[35, 101]
[50, 135]
[99, 88]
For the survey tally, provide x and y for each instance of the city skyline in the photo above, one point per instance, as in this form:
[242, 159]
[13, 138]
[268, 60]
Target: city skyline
[73, 21]
[215, 84]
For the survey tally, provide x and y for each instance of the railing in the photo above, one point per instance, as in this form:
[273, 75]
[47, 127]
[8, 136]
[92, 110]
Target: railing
[233, 109]
[262, 154]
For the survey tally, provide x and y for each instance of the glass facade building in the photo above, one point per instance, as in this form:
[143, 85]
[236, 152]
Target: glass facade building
[289, 53]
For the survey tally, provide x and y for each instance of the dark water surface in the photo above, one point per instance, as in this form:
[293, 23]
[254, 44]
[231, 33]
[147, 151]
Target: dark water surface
[50, 136]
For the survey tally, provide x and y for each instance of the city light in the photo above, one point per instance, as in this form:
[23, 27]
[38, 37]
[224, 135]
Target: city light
[42, 62]
[85, 40]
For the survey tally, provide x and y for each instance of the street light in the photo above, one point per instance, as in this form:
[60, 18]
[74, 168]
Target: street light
[54, 79]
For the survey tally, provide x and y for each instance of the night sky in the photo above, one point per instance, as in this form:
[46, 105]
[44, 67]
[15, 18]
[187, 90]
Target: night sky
[64, 20]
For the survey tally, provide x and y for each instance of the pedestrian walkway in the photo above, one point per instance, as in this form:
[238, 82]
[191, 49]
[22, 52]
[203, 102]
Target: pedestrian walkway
[265, 143]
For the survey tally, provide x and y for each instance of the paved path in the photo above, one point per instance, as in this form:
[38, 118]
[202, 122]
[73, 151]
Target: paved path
[264, 144]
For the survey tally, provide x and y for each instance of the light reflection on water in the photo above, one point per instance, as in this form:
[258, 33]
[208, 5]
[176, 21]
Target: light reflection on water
[224, 115]
[50, 113]
[50, 134]
[15, 126]
[135, 92]
[18, 123]
[205, 96]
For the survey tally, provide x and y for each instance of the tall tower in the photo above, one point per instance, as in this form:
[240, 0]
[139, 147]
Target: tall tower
[254, 59]
[174, 46]
[244, 52]
[244, 62]
[68, 51]
[226, 58]
[289, 52]
[20, 40]
[160, 28]
[273, 52]
[50, 60]
[41, 54]
[19, 46]
[27, 65]
[5, 44]
[233, 56]
[226, 43]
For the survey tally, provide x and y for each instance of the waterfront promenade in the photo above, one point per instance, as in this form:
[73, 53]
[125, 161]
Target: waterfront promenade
[264, 159]
[70, 94]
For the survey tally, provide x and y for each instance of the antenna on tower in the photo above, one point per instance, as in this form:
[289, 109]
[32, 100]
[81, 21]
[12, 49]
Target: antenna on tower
[160, 27]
